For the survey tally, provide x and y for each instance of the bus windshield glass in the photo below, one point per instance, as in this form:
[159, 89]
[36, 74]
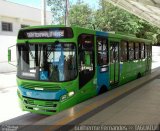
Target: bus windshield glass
[47, 62]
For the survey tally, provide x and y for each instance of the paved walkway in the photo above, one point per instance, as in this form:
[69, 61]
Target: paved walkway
[8, 97]
[140, 107]
[7, 80]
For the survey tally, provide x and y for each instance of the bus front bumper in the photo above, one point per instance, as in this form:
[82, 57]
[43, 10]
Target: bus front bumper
[47, 107]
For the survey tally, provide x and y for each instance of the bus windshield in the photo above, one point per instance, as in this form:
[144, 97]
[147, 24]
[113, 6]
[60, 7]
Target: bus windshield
[47, 62]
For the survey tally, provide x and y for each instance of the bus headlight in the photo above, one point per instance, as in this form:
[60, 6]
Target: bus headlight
[19, 94]
[71, 93]
[68, 95]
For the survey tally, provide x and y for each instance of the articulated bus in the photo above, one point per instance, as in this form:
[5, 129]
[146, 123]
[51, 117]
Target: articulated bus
[58, 66]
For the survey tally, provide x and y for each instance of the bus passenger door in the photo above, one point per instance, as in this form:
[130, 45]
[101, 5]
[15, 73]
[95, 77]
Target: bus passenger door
[114, 63]
[102, 63]
[86, 66]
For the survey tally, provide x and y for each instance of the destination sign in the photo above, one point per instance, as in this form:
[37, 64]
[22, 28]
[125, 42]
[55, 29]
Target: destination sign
[44, 33]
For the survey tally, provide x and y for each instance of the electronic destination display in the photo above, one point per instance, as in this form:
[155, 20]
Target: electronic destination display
[46, 34]
[50, 33]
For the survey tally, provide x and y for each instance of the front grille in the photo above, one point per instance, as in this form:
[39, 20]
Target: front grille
[40, 102]
[29, 101]
[41, 105]
[49, 104]
[41, 110]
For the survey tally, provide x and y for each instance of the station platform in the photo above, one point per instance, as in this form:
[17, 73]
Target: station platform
[135, 106]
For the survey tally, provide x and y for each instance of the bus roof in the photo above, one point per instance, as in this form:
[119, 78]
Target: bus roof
[119, 35]
[127, 37]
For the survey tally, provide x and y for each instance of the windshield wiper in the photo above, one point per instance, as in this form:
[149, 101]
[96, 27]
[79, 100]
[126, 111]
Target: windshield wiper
[27, 45]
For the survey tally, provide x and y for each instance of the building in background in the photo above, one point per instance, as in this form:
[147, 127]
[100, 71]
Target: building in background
[13, 17]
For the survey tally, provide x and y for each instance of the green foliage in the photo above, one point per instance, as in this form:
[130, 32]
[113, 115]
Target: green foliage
[113, 18]
[106, 18]
[158, 39]
[148, 31]
[81, 15]
[57, 8]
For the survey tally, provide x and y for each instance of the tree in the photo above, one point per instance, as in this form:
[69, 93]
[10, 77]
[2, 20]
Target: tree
[158, 39]
[58, 9]
[106, 18]
[112, 18]
[76, 17]
[80, 14]
[148, 31]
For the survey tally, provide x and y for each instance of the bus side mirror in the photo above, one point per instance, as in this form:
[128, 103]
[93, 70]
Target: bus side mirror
[10, 61]
[9, 55]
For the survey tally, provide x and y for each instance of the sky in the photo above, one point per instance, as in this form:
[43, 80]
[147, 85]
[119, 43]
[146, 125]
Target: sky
[37, 3]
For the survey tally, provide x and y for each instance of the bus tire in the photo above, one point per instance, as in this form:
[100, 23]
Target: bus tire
[139, 75]
[103, 89]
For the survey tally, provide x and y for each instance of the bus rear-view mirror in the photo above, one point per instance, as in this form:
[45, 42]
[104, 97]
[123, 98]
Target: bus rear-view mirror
[12, 61]
[9, 55]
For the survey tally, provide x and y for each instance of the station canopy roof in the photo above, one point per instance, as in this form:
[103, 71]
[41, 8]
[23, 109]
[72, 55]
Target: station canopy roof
[148, 10]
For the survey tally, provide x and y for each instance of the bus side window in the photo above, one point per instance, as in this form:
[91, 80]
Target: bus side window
[146, 51]
[142, 51]
[131, 50]
[136, 51]
[150, 51]
[102, 50]
[123, 51]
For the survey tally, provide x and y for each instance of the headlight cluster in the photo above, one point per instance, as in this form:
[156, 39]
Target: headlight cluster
[68, 95]
[19, 94]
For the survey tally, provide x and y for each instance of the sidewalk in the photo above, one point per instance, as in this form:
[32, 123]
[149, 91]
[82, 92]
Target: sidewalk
[8, 97]
[7, 80]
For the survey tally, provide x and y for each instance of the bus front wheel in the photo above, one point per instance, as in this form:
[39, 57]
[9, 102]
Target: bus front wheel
[103, 90]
